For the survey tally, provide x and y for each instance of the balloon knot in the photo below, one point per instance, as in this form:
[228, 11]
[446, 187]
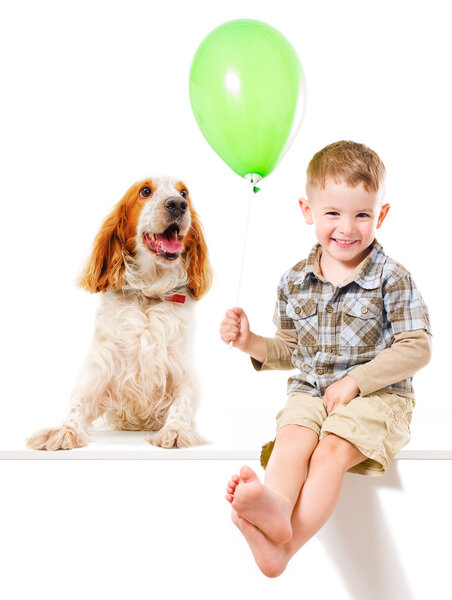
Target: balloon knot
[253, 178]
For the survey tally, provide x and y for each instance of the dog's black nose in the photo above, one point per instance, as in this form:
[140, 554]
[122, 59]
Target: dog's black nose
[176, 206]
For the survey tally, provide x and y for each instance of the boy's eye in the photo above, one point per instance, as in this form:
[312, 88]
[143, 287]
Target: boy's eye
[333, 213]
[363, 215]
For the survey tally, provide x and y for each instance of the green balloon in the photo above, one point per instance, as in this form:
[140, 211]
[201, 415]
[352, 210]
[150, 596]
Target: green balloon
[248, 94]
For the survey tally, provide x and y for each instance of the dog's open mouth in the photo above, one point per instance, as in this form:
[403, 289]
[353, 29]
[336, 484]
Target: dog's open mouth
[166, 244]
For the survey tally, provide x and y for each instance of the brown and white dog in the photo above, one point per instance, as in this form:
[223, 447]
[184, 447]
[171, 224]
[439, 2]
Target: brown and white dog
[150, 262]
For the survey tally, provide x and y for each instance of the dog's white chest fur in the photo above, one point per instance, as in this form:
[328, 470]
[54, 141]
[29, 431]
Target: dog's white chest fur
[145, 342]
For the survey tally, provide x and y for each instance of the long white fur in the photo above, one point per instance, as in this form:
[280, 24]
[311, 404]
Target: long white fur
[138, 373]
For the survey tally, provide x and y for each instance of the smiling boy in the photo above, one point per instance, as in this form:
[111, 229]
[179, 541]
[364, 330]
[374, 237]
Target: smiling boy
[351, 321]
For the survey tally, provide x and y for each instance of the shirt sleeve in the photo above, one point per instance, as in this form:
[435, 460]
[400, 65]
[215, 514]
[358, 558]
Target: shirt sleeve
[410, 352]
[280, 318]
[279, 351]
[404, 306]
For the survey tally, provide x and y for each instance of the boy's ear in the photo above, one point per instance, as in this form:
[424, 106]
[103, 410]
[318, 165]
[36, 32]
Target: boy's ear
[306, 210]
[382, 215]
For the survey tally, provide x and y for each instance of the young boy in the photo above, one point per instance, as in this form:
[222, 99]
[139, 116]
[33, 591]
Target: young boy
[353, 324]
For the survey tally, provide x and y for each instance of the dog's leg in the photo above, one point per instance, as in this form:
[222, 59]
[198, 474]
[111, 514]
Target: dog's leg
[179, 430]
[85, 406]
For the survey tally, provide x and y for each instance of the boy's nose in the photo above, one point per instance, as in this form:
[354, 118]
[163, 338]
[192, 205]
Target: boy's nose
[346, 227]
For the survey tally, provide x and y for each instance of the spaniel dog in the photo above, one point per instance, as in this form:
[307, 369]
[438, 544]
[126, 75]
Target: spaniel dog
[150, 262]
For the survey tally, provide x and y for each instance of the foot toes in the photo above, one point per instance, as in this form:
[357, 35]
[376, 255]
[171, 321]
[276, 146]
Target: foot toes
[247, 474]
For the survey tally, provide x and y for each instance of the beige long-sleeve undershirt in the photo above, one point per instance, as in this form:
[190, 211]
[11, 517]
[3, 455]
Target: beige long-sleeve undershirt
[410, 352]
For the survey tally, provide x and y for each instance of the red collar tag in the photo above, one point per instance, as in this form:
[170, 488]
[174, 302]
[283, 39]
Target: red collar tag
[176, 298]
[180, 298]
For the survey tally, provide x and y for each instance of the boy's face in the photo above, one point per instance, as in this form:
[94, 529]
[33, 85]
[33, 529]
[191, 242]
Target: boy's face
[345, 219]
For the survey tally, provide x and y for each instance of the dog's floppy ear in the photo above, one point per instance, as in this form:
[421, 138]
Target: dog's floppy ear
[196, 259]
[105, 267]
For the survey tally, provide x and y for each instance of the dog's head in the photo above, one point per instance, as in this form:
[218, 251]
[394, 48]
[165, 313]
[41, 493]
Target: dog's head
[155, 225]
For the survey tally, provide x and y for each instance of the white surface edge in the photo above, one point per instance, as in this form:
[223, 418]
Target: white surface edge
[181, 454]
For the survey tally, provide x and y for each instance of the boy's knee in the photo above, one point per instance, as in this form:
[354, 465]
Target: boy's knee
[297, 435]
[336, 451]
[287, 432]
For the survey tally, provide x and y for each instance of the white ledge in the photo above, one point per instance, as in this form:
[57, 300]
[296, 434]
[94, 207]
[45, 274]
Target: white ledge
[133, 445]
[180, 454]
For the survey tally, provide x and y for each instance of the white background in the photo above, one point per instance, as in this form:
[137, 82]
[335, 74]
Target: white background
[95, 97]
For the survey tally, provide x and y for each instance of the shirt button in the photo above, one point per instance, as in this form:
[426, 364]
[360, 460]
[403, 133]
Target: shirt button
[319, 371]
[364, 310]
[329, 309]
[298, 310]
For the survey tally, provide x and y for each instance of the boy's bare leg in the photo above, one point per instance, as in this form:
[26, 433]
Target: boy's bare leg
[329, 463]
[333, 457]
[269, 506]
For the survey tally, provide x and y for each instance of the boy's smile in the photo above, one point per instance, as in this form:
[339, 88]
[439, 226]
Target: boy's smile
[345, 219]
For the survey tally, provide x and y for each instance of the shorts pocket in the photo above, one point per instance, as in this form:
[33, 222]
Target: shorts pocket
[304, 314]
[362, 322]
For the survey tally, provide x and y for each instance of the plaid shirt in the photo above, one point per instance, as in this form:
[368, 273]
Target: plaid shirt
[342, 327]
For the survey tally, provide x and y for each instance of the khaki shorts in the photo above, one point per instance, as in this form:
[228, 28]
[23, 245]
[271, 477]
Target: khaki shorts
[377, 424]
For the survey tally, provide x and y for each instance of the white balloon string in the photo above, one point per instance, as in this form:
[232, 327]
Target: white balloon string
[237, 297]
[244, 249]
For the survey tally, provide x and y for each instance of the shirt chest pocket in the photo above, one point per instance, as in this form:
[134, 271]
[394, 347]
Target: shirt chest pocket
[303, 312]
[362, 322]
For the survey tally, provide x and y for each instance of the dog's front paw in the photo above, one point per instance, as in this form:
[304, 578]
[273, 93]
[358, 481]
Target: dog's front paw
[57, 438]
[169, 437]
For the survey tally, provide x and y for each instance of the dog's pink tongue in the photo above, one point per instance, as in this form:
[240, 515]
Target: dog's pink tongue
[169, 242]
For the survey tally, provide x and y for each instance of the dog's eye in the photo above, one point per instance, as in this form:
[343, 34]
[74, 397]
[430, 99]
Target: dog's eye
[183, 193]
[145, 192]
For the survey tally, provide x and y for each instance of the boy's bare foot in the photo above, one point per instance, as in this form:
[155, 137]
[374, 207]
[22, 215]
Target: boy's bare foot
[268, 511]
[271, 558]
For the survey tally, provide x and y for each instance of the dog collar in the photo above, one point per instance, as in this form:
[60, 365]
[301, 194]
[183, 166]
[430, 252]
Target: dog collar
[180, 298]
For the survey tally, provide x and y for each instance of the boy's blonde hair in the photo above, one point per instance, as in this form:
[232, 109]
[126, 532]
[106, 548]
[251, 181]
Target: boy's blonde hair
[349, 162]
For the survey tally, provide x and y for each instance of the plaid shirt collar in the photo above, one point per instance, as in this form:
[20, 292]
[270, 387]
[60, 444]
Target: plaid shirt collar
[367, 274]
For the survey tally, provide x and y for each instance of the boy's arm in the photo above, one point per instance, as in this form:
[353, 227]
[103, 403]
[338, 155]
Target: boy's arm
[279, 351]
[411, 349]
[410, 352]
